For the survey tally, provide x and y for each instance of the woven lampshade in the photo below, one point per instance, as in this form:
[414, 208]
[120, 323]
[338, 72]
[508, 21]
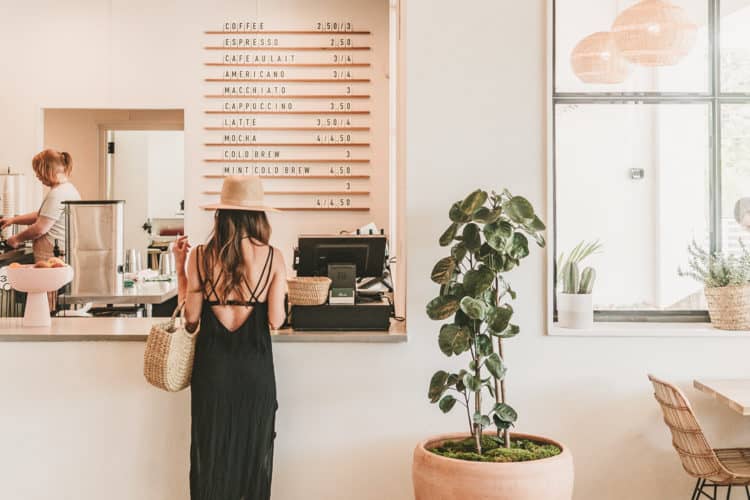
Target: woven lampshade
[597, 59]
[654, 33]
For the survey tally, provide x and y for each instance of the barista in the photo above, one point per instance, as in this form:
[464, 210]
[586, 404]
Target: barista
[46, 226]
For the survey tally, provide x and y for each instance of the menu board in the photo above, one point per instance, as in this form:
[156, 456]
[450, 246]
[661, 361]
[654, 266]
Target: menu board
[299, 105]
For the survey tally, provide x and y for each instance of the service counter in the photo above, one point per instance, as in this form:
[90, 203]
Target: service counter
[136, 329]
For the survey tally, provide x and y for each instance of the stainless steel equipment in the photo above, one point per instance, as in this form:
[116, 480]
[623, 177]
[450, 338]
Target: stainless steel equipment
[94, 246]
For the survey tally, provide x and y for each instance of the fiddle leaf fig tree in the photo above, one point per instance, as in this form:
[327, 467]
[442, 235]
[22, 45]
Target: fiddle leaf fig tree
[488, 236]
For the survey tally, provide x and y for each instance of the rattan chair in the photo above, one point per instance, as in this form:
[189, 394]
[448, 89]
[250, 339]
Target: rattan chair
[713, 468]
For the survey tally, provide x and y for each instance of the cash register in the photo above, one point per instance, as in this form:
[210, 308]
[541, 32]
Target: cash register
[360, 295]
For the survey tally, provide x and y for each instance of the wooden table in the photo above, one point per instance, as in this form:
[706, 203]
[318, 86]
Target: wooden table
[734, 393]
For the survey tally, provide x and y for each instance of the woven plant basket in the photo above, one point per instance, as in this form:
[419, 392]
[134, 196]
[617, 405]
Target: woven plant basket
[168, 358]
[308, 291]
[729, 307]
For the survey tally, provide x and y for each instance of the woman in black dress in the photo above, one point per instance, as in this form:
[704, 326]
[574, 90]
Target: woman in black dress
[234, 290]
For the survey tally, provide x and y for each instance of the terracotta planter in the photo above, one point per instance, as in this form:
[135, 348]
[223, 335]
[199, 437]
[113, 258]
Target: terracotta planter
[441, 478]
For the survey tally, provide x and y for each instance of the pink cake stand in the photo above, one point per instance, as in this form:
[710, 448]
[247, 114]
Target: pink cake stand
[36, 282]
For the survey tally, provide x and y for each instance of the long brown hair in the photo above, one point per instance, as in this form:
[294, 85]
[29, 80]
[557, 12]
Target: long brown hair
[49, 164]
[224, 248]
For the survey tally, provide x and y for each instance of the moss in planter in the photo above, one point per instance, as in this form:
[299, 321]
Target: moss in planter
[521, 450]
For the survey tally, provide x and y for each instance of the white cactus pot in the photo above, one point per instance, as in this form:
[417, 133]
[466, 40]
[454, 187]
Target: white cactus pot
[575, 310]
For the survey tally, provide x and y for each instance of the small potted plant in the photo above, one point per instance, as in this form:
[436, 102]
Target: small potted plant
[726, 279]
[575, 307]
[488, 236]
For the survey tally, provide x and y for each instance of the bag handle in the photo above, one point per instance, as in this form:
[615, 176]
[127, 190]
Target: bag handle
[180, 310]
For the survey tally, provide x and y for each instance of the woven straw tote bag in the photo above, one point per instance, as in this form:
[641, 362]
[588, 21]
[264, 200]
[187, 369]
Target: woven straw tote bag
[170, 348]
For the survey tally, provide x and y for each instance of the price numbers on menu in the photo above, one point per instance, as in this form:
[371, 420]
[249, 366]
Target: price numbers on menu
[343, 58]
[341, 74]
[333, 122]
[341, 170]
[334, 26]
[340, 105]
[332, 202]
[339, 42]
[333, 138]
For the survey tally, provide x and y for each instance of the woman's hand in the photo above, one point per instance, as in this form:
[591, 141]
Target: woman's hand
[13, 242]
[180, 249]
[6, 221]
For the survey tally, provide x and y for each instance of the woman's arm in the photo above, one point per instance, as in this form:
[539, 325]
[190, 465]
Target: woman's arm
[25, 219]
[34, 231]
[277, 291]
[191, 291]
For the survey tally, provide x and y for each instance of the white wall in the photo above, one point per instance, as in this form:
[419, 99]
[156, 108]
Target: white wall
[130, 183]
[78, 422]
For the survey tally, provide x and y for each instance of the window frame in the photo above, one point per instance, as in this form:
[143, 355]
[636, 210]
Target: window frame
[714, 98]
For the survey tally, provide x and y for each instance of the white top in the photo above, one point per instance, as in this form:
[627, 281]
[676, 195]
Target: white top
[53, 208]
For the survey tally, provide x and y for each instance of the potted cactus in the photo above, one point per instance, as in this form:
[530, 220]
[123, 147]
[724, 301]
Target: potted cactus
[575, 307]
[488, 236]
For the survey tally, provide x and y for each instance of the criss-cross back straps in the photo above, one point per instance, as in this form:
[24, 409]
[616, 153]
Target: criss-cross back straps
[255, 292]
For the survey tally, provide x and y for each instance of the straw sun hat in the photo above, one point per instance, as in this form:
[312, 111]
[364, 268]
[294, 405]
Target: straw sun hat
[241, 192]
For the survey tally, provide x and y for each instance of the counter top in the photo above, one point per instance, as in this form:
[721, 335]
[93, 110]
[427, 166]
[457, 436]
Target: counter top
[14, 255]
[136, 329]
[148, 292]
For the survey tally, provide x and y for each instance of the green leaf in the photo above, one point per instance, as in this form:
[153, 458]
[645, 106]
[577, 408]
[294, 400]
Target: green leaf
[484, 345]
[519, 209]
[472, 383]
[480, 419]
[448, 235]
[505, 413]
[509, 332]
[497, 234]
[437, 386]
[474, 308]
[520, 246]
[462, 319]
[476, 281]
[443, 270]
[491, 258]
[500, 424]
[536, 224]
[539, 238]
[481, 215]
[498, 318]
[495, 366]
[471, 238]
[472, 202]
[460, 386]
[457, 215]
[447, 403]
[458, 251]
[454, 339]
[442, 307]
[456, 289]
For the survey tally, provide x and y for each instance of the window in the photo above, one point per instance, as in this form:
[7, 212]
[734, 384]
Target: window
[656, 157]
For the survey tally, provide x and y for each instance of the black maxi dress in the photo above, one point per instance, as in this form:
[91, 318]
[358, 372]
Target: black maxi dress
[233, 402]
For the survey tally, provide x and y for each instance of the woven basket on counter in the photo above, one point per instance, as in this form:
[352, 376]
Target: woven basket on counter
[308, 291]
[729, 307]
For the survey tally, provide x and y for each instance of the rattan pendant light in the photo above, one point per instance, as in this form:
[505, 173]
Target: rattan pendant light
[597, 59]
[654, 33]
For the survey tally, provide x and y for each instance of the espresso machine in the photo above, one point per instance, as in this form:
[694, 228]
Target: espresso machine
[94, 246]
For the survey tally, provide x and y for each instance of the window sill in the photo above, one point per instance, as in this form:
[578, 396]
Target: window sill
[634, 329]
